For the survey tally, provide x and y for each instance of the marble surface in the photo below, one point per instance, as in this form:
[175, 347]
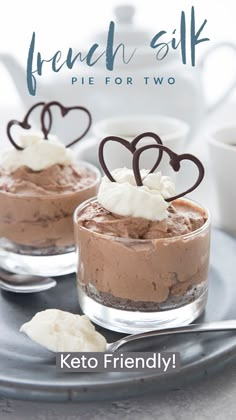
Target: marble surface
[211, 398]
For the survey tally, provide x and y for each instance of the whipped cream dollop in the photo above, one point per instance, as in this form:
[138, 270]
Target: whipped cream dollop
[125, 198]
[61, 331]
[38, 153]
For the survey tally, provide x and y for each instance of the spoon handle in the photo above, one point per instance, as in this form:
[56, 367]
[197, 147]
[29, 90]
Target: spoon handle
[226, 325]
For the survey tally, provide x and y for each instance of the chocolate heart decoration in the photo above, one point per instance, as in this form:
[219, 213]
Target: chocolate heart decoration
[64, 111]
[131, 146]
[25, 124]
[175, 161]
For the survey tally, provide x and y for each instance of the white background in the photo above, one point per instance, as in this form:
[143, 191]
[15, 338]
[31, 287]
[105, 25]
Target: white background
[61, 24]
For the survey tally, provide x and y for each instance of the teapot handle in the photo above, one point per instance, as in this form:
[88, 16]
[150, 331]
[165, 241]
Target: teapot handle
[228, 90]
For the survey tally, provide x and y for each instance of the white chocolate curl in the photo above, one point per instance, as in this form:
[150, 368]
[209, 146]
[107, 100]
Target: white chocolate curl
[38, 153]
[125, 198]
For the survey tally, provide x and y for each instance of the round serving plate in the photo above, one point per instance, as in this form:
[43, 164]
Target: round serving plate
[27, 371]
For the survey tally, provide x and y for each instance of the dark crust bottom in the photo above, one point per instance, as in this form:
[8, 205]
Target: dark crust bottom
[173, 302]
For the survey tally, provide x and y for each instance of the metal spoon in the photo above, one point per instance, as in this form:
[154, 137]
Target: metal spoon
[226, 325]
[24, 283]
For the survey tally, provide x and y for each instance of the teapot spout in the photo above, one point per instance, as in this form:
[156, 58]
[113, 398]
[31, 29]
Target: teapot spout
[17, 74]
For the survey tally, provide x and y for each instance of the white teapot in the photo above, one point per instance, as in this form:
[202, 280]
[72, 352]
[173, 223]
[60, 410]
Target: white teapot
[184, 98]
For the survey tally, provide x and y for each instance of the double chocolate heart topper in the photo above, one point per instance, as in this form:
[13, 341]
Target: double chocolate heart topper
[47, 114]
[174, 159]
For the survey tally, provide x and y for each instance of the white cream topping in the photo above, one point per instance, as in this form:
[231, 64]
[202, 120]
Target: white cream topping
[38, 153]
[61, 331]
[124, 198]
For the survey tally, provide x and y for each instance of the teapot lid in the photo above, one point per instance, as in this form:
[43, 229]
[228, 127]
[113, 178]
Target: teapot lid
[126, 31]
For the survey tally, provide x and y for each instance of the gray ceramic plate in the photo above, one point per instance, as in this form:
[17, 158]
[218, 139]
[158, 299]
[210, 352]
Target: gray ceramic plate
[28, 372]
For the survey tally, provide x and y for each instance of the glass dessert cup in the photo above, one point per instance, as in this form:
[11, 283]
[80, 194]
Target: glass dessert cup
[40, 240]
[134, 285]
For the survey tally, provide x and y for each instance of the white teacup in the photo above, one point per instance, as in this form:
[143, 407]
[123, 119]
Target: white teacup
[222, 144]
[172, 131]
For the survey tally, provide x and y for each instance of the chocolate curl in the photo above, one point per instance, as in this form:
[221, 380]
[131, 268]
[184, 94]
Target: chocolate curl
[174, 162]
[64, 111]
[131, 146]
[25, 124]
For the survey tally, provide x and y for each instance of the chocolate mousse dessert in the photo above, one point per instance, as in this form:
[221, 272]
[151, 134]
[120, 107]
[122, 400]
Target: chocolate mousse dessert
[40, 187]
[146, 270]
[142, 247]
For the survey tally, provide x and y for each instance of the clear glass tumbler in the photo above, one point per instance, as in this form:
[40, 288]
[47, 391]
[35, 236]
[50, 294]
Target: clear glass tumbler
[36, 231]
[135, 285]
